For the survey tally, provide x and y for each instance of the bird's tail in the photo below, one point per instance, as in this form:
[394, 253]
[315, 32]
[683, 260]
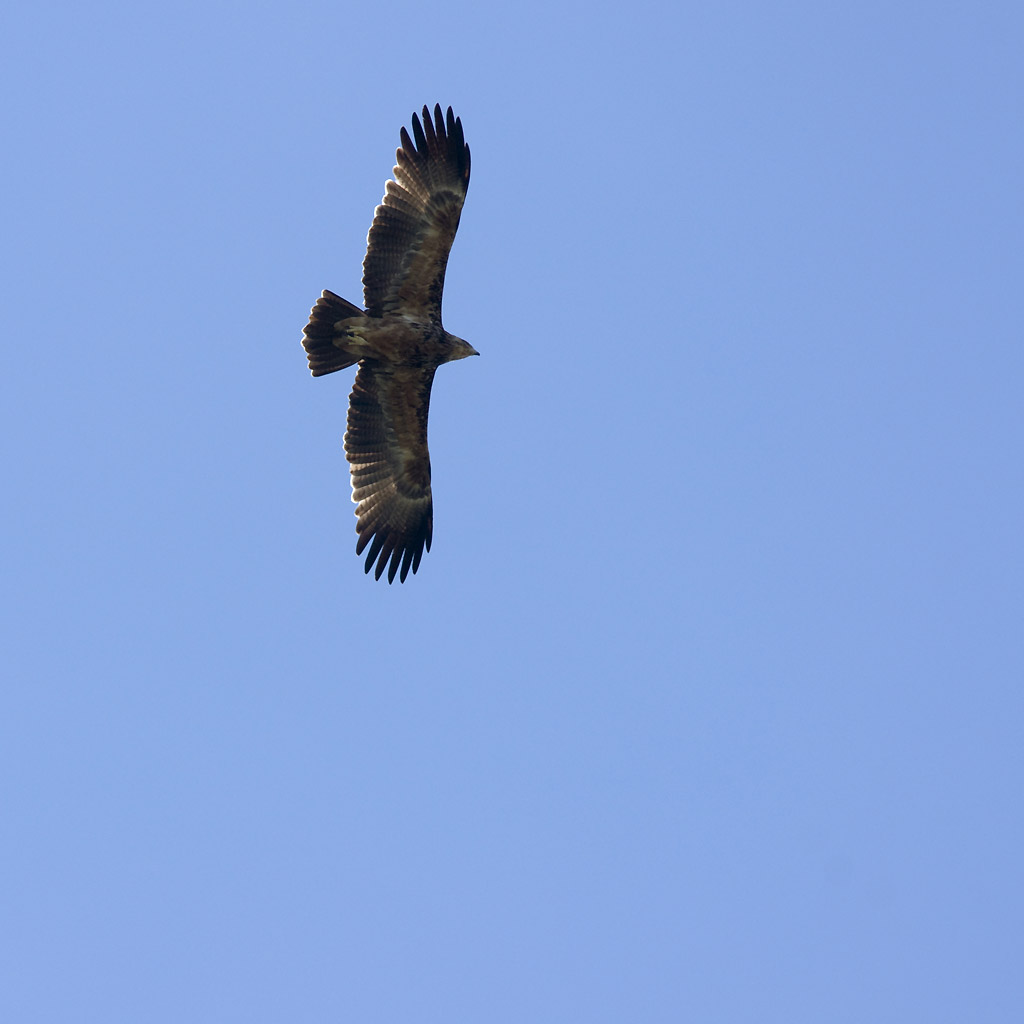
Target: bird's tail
[321, 338]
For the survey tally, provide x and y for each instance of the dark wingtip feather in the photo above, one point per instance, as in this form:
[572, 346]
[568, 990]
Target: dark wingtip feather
[393, 567]
[417, 132]
[437, 131]
[407, 561]
[398, 555]
[378, 543]
[429, 132]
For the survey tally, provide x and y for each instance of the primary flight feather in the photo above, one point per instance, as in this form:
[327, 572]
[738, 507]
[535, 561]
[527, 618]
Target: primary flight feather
[398, 342]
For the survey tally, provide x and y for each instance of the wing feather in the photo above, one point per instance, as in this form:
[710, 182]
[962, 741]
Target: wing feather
[386, 446]
[413, 228]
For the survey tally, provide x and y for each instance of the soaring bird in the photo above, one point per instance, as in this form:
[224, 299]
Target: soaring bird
[398, 342]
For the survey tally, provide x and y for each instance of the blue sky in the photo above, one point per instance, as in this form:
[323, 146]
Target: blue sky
[705, 704]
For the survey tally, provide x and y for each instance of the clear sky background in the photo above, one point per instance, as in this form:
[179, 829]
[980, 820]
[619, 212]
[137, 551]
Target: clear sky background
[706, 704]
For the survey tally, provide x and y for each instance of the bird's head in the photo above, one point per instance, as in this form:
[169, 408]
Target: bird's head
[457, 348]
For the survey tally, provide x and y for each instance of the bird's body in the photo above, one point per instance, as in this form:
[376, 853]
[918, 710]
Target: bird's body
[398, 342]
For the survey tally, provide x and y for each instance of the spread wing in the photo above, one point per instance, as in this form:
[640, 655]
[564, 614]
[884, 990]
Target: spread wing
[386, 445]
[413, 228]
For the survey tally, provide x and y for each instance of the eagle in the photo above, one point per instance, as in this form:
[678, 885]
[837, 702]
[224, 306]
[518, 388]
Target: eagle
[398, 342]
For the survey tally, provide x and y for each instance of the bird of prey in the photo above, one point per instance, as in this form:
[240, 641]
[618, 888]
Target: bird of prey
[398, 342]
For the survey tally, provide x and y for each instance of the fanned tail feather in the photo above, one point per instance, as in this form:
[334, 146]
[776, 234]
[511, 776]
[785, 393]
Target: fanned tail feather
[323, 341]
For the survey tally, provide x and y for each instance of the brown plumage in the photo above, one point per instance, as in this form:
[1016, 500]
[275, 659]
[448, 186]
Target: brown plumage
[398, 342]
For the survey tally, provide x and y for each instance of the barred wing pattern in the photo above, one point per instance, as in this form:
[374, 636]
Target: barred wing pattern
[413, 228]
[386, 445]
